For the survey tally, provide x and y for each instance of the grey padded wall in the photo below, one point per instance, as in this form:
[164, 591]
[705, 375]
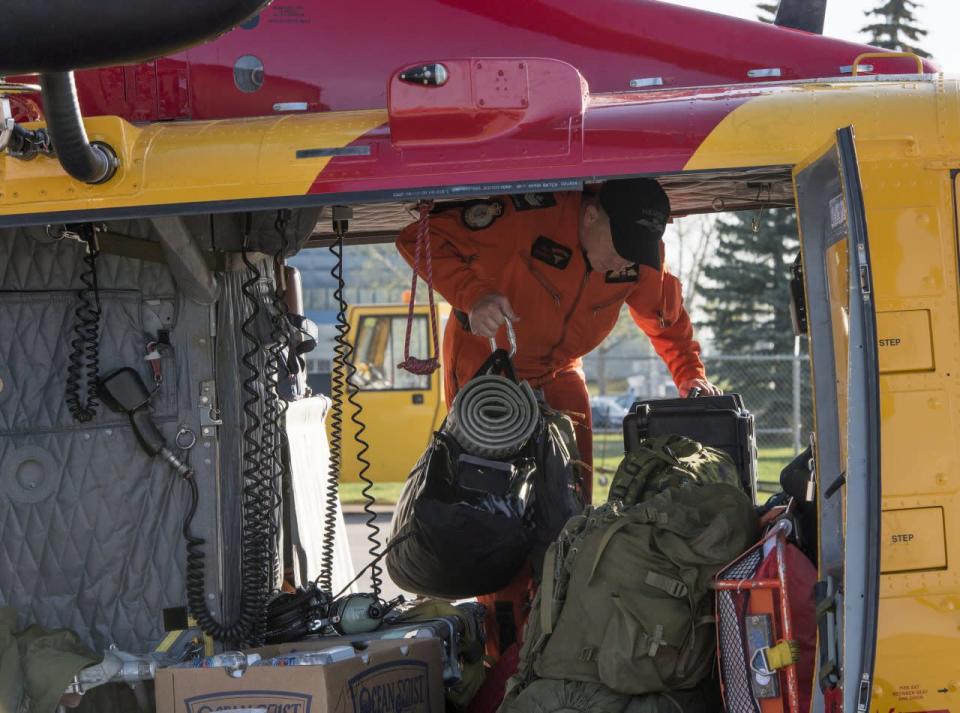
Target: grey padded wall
[89, 524]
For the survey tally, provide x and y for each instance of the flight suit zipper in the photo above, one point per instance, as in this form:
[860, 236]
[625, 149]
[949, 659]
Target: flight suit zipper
[569, 315]
[607, 303]
[544, 282]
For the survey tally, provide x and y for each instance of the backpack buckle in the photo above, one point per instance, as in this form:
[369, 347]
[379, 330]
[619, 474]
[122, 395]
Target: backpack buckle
[673, 587]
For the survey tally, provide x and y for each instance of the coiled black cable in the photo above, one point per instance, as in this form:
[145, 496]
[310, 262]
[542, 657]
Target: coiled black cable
[258, 511]
[373, 536]
[268, 490]
[256, 566]
[343, 373]
[85, 346]
[275, 407]
[337, 384]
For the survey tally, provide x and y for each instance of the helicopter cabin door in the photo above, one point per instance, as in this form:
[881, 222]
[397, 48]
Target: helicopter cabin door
[841, 326]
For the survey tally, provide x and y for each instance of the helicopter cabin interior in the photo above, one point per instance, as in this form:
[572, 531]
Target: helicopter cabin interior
[91, 522]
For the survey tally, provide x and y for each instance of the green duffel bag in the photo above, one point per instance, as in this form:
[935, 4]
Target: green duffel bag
[548, 696]
[625, 599]
[665, 461]
[695, 701]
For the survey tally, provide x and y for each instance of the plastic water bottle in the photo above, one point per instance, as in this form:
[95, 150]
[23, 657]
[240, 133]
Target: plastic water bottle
[311, 658]
[235, 662]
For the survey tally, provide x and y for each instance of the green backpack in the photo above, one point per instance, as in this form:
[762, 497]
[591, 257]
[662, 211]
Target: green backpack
[548, 696]
[624, 600]
[665, 461]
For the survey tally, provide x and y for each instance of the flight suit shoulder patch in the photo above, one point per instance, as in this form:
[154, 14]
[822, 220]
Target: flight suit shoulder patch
[552, 253]
[630, 274]
[481, 214]
[533, 201]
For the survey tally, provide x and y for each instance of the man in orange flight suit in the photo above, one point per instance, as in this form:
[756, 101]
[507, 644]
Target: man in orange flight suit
[559, 266]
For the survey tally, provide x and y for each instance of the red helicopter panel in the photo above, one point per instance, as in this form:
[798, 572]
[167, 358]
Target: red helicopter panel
[309, 56]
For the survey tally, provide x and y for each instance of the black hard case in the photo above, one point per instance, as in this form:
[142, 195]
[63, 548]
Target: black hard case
[721, 422]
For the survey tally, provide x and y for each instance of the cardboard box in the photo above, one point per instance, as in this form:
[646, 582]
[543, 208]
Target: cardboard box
[390, 676]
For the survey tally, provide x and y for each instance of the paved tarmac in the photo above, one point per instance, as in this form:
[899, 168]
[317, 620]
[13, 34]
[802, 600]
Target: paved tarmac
[357, 532]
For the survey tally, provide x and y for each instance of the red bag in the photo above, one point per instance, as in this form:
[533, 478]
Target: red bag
[752, 613]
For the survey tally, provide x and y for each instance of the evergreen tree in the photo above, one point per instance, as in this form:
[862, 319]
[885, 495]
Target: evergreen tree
[897, 27]
[747, 305]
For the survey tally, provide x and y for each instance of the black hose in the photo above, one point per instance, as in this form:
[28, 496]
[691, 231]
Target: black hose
[59, 35]
[85, 346]
[90, 163]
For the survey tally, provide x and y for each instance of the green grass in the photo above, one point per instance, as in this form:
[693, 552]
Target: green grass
[385, 493]
[607, 452]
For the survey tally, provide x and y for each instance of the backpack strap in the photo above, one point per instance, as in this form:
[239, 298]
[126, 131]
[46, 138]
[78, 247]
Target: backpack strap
[548, 587]
[673, 587]
[644, 515]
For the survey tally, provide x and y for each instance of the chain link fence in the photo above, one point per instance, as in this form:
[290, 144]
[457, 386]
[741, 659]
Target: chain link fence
[775, 389]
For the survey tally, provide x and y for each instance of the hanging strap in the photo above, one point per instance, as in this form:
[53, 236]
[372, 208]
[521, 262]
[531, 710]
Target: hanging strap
[410, 363]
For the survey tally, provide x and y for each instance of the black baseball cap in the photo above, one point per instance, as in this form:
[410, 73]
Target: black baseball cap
[638, 209]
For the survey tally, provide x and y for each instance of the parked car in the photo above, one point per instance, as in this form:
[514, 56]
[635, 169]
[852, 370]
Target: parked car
[607, 413]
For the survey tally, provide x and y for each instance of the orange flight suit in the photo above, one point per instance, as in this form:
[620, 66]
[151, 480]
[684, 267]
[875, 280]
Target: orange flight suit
[527, 247]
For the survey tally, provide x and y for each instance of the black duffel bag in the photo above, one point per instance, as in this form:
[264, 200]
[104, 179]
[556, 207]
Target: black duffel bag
[466, 524]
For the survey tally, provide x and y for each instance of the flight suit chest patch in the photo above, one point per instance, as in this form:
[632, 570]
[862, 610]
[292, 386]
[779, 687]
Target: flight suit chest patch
[553, 254]
[630, 274]
[480, 215]
[533, 201]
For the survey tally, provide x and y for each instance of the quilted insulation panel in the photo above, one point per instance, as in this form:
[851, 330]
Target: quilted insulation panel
[89, 524]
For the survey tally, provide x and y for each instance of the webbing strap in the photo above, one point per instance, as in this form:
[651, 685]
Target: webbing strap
[547, 588]
[673, 587]
[640, 516]
[607, 536]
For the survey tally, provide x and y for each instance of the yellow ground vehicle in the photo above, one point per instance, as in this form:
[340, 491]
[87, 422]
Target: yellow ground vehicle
[400, 409]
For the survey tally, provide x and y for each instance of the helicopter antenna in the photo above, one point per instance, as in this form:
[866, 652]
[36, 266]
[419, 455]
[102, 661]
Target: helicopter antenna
[804, 15]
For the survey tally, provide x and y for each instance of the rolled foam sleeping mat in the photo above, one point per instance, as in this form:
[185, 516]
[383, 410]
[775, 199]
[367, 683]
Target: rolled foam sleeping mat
[493, 417]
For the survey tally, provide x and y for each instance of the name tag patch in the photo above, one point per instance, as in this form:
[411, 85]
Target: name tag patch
[553, 254]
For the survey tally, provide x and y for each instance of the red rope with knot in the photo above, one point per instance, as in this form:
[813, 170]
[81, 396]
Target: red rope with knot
[410, 363]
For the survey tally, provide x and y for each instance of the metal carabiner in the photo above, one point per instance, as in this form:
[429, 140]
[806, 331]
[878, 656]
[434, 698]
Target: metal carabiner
[511, 336]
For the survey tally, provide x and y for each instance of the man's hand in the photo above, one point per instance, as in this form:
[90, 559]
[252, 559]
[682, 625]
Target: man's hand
[489, 313]
[706, 388]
